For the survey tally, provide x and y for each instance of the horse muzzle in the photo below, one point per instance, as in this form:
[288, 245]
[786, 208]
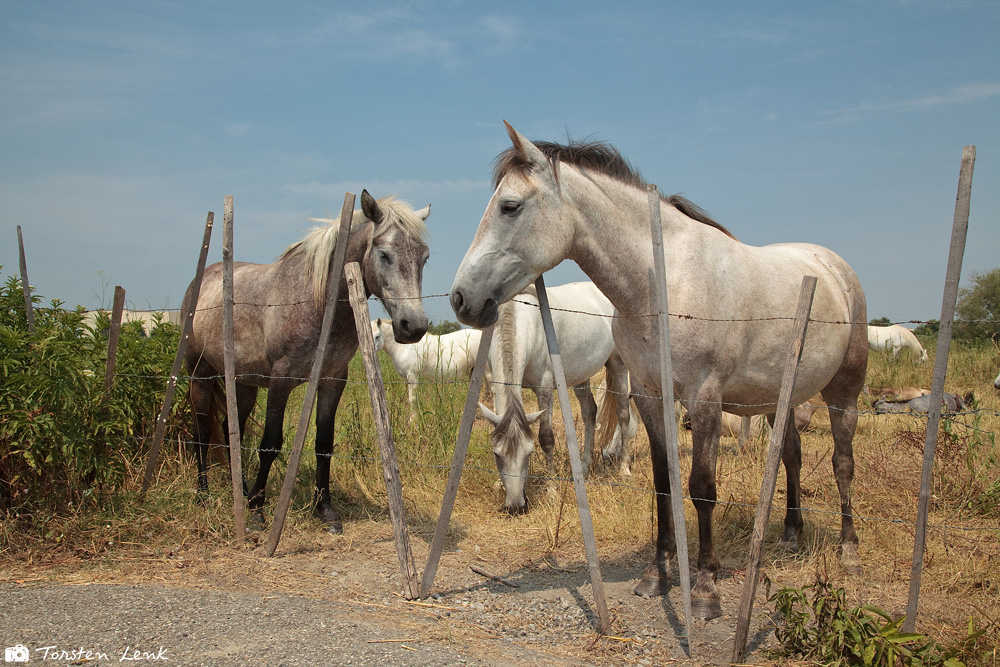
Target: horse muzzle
[478, 315]
[409, 330]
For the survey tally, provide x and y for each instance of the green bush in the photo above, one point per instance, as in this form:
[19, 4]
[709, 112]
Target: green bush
[61, 441]
[825, 630]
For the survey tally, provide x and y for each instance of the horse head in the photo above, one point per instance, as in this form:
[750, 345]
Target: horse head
[513, 443]
[522, 234]
[393, 265]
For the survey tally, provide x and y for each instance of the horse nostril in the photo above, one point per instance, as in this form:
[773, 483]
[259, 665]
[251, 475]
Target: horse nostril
[457, 300]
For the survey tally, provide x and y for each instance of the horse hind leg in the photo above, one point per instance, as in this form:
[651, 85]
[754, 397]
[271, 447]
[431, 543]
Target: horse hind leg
[588, 412]
[618, 387]
[841, 395]
[791, 457]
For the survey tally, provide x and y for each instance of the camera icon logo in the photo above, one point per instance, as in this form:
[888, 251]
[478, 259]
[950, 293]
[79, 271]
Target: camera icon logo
[18, 653]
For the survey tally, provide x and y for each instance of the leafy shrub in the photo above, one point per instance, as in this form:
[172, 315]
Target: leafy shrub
[60, 439]
[826, 630]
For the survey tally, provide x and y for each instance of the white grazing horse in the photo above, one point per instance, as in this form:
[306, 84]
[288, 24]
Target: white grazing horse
[519, 358]
[895, 337]
[447, 357]
[733, 309]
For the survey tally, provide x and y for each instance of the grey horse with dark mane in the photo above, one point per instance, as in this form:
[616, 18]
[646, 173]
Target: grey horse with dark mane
[277, 317]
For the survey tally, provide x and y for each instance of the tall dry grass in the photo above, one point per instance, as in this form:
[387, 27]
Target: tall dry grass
[962, 549]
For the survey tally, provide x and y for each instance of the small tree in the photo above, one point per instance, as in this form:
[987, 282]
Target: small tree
[443, 327]
[978, 309]
[880, 322]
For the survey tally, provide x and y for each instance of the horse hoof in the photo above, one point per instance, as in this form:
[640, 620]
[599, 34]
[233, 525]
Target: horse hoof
[706, 608]
[850, 560]
[255, 519]
[329, 516]
[654, 583]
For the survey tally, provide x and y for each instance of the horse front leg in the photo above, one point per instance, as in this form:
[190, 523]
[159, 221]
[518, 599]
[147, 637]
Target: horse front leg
[706, 422]
[200, 395]
[546, 436]
[588, 412]
[270, 443]
[656, 577]
[328, 398]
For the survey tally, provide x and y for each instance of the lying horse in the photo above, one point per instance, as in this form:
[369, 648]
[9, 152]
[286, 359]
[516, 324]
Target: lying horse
[447, 357]
[277, 318]
[519, 358]
[895, 337]
[922, 404]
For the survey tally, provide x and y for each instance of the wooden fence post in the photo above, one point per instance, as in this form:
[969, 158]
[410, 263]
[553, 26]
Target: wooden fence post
[383, 427]
[332, 297]
[669, 416]
[457, 461]
[781, 424]
[25, 286]
[161, 421]
[229, 354]
[576, 464]
[113, 335]
[959, 230]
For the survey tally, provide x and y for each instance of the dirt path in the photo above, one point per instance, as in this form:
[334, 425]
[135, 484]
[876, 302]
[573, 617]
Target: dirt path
[338, 603]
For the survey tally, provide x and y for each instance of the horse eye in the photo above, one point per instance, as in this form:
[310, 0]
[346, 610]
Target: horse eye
[510, 207]
[384, 257]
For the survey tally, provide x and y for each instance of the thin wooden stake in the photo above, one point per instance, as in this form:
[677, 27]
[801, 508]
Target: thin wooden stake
[25, 286]
[959, 231]
[457, 461]
[113, 335]
[781, 424]
[161, 421]
[575, 462]
[332, 297]
[386, 447]
[669, 416]
[229, 365]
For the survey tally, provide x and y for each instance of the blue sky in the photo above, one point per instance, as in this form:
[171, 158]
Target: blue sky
[123, 123]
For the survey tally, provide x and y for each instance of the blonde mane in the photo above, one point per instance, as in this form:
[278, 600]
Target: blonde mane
[318, 244]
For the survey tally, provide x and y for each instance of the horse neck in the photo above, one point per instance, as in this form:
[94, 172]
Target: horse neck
[507, 359]
[611, 239]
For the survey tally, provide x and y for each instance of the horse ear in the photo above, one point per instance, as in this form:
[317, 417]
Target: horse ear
[491, 416]
[533, 417]
[370, 208]
[424, 212]
[526, 150]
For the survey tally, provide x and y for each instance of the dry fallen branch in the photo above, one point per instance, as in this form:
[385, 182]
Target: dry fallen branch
[490, 575]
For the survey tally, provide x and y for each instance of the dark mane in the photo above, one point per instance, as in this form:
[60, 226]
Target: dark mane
[596, 156]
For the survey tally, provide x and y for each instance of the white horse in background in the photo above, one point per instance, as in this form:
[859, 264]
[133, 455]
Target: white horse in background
[447, 357]
[607, 439]
[519, 357]
[895, 337]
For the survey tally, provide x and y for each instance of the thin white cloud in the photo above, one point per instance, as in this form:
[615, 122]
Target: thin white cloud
[382, 188]
[238, 129]
[963, 94]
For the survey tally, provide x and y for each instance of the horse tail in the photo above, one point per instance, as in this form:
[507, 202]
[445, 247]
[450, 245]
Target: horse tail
[607, 419]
